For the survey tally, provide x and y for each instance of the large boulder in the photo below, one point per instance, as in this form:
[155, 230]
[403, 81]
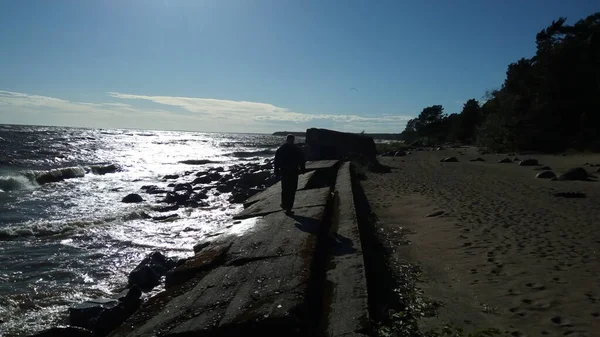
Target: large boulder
[254, 179]
[104, 169]
[85, 314]
[148, 273]
[329, 144]
[546, 175]
[529, 162]
[577, 173]
[449, 160]
[57, 175]
[132, 198]
[205, 179]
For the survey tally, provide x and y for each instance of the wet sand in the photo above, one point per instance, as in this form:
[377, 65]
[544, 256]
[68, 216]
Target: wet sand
[506, 253]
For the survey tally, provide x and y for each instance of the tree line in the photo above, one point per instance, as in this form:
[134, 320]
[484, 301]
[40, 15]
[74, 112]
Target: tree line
[549, 102]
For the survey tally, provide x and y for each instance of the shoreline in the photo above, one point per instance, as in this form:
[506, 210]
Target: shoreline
[484, 245]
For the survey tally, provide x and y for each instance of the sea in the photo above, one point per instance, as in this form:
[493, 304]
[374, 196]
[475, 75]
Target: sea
[65, 242]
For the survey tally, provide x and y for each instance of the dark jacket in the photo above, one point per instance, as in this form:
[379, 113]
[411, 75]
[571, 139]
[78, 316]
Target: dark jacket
[289, 159]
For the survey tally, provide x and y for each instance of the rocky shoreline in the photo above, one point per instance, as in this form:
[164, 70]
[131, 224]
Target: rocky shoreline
[100, 316]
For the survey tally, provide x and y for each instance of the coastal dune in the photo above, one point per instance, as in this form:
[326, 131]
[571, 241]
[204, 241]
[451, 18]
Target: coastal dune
[497, 247]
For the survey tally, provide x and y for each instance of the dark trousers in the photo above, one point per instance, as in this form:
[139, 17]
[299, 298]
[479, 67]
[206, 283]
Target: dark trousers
[289, 184]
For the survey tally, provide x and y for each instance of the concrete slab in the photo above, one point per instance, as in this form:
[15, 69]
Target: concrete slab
[303, 181]
[261, 288]
[348, 313]
[271, 204]
[320, 164]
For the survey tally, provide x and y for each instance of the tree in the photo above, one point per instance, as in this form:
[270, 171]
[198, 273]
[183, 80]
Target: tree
[467, 122]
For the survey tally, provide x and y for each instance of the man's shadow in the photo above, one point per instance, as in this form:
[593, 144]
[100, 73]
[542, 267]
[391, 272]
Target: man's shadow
[338, 244]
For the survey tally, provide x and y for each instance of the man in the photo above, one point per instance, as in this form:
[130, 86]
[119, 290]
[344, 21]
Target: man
[289, 162]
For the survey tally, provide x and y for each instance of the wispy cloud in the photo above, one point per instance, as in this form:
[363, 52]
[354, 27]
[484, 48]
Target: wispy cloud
[185, 113]
[253, 110]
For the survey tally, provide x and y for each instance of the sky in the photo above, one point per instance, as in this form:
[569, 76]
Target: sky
[259, 66]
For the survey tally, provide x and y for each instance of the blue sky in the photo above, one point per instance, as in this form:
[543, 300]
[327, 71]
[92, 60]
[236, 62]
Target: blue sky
[258, 66]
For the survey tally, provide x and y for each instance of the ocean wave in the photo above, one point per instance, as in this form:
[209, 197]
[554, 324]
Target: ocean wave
[56, 175]
[259, 153]
[52, 228]
[15, 183]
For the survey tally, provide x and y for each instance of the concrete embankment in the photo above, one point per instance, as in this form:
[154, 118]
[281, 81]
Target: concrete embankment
[296, 275]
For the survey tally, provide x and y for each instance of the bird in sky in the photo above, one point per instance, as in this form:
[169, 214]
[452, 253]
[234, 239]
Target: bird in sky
[353, 89]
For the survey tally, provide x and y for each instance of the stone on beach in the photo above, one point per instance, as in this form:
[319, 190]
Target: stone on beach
[546, 175]
[449, 160]
[104, 169]
[132, 198]
[505, 161]
[577, 173]
[147, 274]
[528, 162]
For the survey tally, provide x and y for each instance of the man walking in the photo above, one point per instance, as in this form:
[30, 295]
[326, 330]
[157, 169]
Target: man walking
[289, 162]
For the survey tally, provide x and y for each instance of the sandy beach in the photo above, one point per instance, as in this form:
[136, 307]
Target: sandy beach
[505, 253]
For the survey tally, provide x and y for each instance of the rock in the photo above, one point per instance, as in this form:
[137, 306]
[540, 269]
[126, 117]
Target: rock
[224, 188]
[104, 169]
[570, 194]
[166, 217]
[171, 176]
[129, 295]
[132, 198]
[516, 159]
[254, 179]
[205, 179]
[205, 260]
[199, 246]
[201, 173]
[214, 176]
[110, 319]
[400, 154]
[147, 274]
[439, 149]
[505, 161]
[449, 160]
[546, 175]
[529, 162]
[85, 314]
[477, 159]
[65, 331]
[196, 162]
[328, 144]
[147, 187]
[434, 214]
[199, 196]
[544, 168]
[217, 169]
[577, 173]
[57, 175]
[169, 208]
[598, 170]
